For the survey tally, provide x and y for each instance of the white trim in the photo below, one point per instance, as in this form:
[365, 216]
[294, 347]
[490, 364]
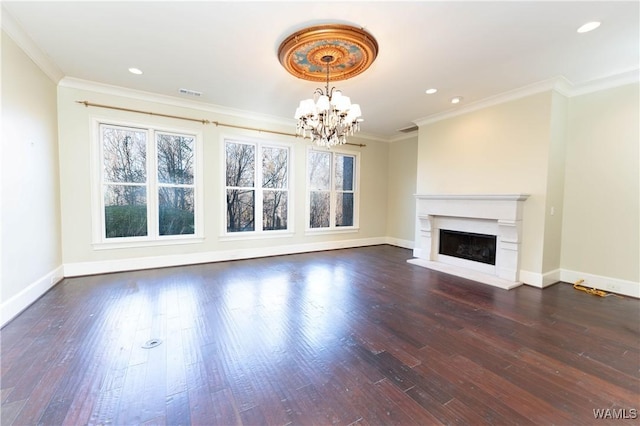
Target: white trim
[107, 89]
[469, 274]
[608, 284]
[170, 240]
[120, 265]
[559, 84]
[473, 197]
[492, 214]
[628, 77]
[259, 144]
[539, 280]
[332, 228]
[403, 136]
[151, 128]
[408, 244]
[9, 309]
[521, 92]
[329, 231]
[30, 48]
[12, 307]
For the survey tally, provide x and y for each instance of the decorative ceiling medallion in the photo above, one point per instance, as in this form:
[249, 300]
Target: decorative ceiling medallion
[352, 50]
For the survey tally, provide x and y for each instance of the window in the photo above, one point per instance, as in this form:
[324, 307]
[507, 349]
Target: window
[332, 190]
[147, 184]
[257, 185]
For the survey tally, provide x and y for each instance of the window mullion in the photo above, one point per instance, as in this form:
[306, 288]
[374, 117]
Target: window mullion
[332, 193]
[153, 212]
[259, 190]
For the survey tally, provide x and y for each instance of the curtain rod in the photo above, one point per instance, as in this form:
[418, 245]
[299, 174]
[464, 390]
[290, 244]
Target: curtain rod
[203, 121]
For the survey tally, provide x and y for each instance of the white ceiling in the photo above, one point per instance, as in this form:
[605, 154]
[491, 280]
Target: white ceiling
[228, 50]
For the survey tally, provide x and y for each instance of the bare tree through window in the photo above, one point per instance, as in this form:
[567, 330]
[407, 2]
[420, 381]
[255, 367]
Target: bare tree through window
[257, 177]
[124, 181]
[344, 167]
[240, 179]
[331, 181]
[319, 186]
[176, 184]
[134, 196]
[275, 163]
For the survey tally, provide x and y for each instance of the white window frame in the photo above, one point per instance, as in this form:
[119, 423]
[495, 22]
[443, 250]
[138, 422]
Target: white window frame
[333, 229]
[258, 232]
[153, 237]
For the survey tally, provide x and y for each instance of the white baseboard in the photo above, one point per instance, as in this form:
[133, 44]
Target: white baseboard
[539, 280]
[18, 303]
[608, 284]
[120, 265]
[408, 244]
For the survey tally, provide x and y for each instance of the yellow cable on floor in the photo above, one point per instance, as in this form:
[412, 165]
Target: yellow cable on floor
[593, 291]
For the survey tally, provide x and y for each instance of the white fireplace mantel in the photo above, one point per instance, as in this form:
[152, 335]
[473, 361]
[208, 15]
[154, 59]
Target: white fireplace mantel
[493, 214]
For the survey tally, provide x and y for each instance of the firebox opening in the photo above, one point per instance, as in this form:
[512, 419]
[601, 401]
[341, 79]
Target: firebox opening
[469, 246]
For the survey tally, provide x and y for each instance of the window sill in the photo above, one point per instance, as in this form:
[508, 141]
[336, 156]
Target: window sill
[252, 235]
[327, 231]
[114, 245]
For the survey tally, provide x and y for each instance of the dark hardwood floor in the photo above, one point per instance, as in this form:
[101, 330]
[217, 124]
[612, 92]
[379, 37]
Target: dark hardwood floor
[354, 336]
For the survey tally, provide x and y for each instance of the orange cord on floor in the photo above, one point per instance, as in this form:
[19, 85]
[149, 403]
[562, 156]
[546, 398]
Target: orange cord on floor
[593, 291]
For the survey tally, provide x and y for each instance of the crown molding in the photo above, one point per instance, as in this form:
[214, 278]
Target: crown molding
[17, 34]
[630, 76]
[107, 89]
[403, 136]
[140, 95]
[558, 84]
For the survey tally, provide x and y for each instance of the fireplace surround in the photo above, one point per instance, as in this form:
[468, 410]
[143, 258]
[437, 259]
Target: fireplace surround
[498, 215]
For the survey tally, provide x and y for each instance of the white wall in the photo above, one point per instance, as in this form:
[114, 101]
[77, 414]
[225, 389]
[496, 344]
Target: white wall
[601, 226]
[30, 224]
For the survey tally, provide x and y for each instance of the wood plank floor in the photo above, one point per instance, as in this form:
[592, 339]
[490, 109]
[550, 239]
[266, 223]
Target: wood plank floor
[354, 336]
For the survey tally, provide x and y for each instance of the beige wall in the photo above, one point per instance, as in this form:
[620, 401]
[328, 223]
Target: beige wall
[402, 188]
[75, 121]
[601, 232]
[578, 158]
[30, 221]
[499, 149]
[555, 184]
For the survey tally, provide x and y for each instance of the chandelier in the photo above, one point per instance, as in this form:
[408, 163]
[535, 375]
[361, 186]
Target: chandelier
[326, 53]
[329, 117]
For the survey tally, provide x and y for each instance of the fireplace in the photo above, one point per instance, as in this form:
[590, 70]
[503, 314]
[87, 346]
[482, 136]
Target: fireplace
[472, 236]
[468, 245]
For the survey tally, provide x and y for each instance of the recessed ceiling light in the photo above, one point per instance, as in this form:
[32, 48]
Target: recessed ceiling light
[456, 100]
[135, 71]
[589, 26]
[430, 91]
